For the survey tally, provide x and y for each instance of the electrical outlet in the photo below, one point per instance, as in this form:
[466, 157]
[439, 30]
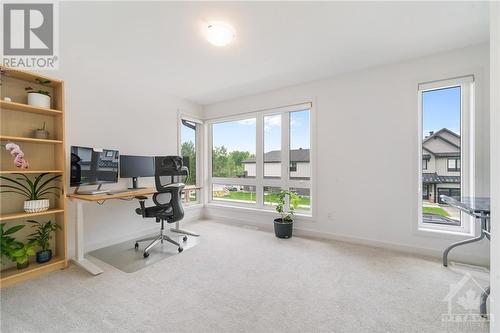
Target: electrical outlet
[331, 215]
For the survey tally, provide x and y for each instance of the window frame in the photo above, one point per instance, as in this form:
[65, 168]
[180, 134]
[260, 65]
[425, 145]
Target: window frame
[457, 164]
[199, 145]
[467, 139]
[260, 181]
[426, 163]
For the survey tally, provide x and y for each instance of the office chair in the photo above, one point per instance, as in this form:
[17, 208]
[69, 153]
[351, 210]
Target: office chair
[168, 200]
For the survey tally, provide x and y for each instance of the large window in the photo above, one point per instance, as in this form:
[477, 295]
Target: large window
[257, 155]
[445, 140]
[190, 152]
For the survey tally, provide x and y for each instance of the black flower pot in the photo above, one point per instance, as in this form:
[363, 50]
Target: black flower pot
[283, 229]
[23, 265]
[43, 256]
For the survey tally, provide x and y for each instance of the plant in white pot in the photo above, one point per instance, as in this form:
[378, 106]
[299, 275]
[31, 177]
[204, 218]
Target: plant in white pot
[283, 226]
[42, 237]
[39, 97]
[35, 190]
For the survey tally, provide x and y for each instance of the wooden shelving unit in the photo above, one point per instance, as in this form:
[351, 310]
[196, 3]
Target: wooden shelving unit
[18, 120]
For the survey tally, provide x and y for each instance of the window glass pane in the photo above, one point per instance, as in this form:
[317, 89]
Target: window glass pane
[300, 145]
[271, 196]
[272, 146]
[189, 149]
[233, 152]
[441, 112]
[303, 203]
[233, 193]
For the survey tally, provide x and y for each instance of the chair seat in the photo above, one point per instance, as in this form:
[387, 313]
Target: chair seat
[160, 212]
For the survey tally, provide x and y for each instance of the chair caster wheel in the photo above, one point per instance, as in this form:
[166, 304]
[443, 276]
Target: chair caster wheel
[185, 238]
[146, 254]
[136, 246]
[180, 249]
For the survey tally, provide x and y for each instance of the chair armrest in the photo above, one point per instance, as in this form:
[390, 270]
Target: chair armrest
[142, 200]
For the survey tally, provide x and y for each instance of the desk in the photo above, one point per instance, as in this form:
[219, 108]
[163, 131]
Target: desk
[478, 208]
[101, 198]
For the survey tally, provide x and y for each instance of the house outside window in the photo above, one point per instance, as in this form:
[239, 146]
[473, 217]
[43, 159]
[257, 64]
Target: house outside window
[445, 143]
[267, 151]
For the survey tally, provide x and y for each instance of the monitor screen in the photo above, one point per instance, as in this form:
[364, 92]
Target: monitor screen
[136, 166]
[90, 167]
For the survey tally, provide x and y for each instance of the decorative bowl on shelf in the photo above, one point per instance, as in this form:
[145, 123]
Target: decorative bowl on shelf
[36, 206]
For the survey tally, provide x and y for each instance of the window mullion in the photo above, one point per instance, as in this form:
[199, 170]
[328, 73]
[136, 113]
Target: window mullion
[259, 161]
[285, 150]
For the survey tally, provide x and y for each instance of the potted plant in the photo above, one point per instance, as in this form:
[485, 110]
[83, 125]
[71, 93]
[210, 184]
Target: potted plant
[39, 97]
[42, 237]
[41, 133]
[283, 226]
[35, 191]
[16, 251]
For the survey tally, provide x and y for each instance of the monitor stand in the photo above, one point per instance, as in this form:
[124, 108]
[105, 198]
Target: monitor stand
[135, 184]
[91, 192]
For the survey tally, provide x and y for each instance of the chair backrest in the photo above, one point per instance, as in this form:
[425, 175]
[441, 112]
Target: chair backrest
[169, 191]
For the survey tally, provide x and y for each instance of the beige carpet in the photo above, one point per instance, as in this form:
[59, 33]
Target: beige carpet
[241, 279]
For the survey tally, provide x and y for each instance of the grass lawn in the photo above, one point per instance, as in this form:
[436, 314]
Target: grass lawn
[435, 211]
[268, 198]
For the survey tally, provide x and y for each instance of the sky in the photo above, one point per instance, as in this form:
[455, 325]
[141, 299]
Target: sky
[441, 109]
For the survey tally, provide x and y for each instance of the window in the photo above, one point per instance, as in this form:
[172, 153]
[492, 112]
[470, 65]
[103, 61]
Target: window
[424, 164]
[257, 155]
[454, 164]
[300, 168]
[445, 136]
[233, 149]
[190, 152]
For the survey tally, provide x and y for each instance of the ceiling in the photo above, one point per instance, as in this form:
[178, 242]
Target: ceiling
[278, 43]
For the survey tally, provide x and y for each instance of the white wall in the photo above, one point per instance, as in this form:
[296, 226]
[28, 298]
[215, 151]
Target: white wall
[357, 115]
[113, 107]
[495, 166]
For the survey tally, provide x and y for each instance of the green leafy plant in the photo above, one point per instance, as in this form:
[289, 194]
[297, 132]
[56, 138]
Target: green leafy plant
[16, 251]
[32, 190]
[20, 254]
[43, 233]
[39, 91]
[7, 242]
[286, 215]
[43, 128]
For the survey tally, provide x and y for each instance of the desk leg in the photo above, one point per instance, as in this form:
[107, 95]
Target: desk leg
[467, 241]
[79, 247]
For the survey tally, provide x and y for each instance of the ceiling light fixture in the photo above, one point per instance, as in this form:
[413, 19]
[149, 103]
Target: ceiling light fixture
[219, 33]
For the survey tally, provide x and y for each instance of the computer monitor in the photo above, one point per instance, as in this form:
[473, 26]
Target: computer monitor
[136, 166]
[93, 166]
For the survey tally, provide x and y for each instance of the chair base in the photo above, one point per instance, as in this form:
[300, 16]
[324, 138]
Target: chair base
[158, 239]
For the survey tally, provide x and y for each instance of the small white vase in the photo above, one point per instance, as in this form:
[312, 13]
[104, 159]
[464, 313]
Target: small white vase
[39, 100]
[35, 206]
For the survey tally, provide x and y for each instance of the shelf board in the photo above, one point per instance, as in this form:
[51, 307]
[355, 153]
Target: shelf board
[25, 139]
[12, 275]
[29, 171]
[27, 76]
[22, 215]
[28, 108]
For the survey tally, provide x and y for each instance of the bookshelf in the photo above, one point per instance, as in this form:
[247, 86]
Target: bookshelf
[18, 120]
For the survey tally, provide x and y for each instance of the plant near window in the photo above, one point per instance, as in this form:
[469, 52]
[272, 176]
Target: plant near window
[34, 191]
[16, 251]
[283, 226]
[42, 237]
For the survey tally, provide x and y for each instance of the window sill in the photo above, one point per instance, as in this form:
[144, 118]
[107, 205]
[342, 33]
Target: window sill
[267, 212]
[446, 234]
